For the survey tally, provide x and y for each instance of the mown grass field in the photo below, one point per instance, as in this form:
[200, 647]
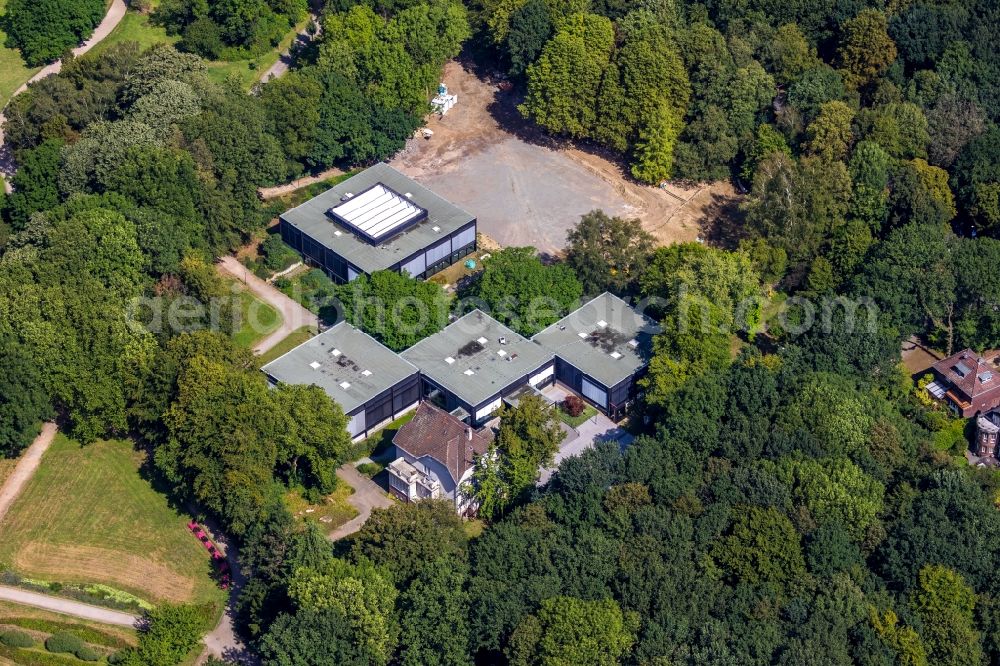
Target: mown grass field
[13, 71]
[257, 319]
[88, 516]
[294, 339]
[6, 467]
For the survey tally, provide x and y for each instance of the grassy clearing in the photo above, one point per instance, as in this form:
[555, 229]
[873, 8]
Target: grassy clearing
[257, 319]
[577, 421]
[13, 71]
[331, 513]
[88, 516]
[294, 339]
[135, 27]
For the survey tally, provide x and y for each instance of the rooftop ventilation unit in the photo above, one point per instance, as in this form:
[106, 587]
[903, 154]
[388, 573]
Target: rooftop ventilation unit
[633, 343]
[502, 340]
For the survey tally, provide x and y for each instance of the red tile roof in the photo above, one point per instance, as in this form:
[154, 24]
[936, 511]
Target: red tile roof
[973, 381]
[436, 433]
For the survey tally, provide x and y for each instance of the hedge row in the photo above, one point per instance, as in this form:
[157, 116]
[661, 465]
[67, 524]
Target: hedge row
[88, 634]
[16, 639]
[32, 658]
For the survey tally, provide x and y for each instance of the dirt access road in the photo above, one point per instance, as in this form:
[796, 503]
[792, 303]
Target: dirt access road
[367, 496]
[25, 468]
[527, 189]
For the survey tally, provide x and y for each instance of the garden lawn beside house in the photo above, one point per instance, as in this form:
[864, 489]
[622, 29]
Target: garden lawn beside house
[577, 421]
[89, 517]
[331, 512]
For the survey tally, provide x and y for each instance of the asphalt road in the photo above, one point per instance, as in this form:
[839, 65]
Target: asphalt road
[367, 496]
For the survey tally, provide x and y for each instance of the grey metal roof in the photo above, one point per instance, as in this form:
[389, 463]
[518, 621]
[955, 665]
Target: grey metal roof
[605, 338]
[311, 219]
[471, 344]
[342, 355]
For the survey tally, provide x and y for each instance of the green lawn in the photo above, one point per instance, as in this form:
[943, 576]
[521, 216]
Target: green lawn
[294, 339]
[13, 71]
[575, 421]
[6, 467]
[88, 516]
[135, 27]
[258, 319]
[380, 441]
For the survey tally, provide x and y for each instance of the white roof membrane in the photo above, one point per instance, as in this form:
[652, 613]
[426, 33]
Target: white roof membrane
[377, 212]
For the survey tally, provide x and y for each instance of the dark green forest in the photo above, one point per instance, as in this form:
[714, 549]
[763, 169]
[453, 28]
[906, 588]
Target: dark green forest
[792, 497]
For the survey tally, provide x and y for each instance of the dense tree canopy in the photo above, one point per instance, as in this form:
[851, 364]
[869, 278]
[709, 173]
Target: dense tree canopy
[44, 30]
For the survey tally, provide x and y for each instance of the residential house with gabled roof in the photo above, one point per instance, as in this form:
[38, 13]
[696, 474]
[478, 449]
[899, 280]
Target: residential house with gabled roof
[435, 456]
[967, 382]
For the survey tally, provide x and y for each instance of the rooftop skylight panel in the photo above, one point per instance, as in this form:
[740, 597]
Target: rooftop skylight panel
[378, 213]
[345, 385]
[314, 365]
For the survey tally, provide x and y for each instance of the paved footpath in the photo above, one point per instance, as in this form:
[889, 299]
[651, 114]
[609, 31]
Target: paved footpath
[116, 12]
[293, 315]
[67, 607]
[25, 468]
[367, 496]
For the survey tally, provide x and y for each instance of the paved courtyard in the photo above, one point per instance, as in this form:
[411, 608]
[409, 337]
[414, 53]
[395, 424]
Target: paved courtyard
[598, 428]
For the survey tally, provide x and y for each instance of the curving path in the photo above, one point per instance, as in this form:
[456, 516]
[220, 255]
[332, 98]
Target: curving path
[293, 315]
[267, 193]
[367, 496]
[116, 12]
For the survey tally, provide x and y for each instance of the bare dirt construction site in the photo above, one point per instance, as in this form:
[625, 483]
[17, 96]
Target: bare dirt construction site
[528, 189]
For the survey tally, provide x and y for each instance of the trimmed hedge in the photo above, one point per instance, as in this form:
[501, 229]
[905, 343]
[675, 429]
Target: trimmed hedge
[87, 654]
[32, 658]
[64, 642]
[16, 639]
[88, 634]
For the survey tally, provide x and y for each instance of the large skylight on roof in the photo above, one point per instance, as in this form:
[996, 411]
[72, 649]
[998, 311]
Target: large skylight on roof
[378, 213]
